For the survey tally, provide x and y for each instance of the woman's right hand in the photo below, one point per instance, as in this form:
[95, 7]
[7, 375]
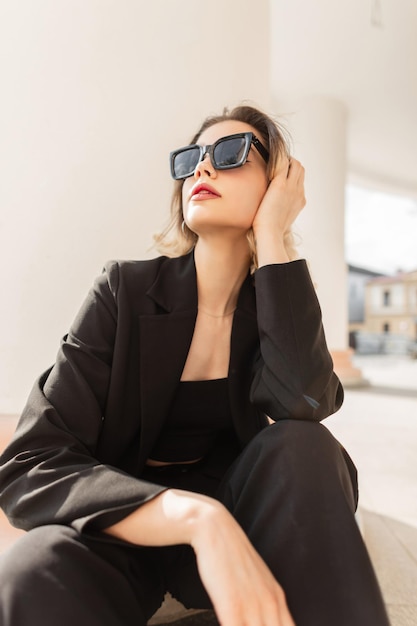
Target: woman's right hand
[240, 585]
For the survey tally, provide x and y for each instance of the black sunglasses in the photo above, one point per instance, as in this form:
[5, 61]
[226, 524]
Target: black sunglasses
[225, 154]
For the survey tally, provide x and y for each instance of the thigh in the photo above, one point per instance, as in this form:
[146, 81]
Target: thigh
[294, 492]
[290, 457]
[54, 575]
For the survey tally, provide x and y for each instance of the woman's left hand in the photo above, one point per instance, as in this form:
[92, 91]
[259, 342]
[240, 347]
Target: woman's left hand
[281, 204]
[283, 199]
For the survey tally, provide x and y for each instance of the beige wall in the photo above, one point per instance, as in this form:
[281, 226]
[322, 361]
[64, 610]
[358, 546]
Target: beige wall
[94, 94]
[318, 126]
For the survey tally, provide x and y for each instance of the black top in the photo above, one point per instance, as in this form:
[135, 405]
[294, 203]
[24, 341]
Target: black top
[200, 411]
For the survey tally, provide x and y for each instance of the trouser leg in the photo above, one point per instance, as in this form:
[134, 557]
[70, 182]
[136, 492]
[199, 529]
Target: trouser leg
[293, 490]
[54, 576]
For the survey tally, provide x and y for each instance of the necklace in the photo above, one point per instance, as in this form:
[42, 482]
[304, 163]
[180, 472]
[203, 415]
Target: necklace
[211, 314]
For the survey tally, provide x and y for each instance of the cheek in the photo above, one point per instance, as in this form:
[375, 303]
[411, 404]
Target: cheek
[253, 197]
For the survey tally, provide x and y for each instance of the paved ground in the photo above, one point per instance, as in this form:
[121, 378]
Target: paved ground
[378, 426]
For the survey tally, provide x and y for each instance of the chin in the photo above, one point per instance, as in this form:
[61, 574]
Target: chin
[220, 228]
[203, 219]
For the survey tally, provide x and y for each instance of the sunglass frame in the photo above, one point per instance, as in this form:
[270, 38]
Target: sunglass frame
[250, 139]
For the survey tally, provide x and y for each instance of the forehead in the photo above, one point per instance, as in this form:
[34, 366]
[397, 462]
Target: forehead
[222, 129]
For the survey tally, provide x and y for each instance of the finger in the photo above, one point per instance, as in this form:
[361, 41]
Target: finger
[294, 166]
[296, 173]
[282, 166]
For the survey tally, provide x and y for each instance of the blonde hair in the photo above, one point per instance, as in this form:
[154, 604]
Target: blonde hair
[177, 239]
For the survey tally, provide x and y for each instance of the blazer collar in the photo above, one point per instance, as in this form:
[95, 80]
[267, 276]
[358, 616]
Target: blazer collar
[175, 287]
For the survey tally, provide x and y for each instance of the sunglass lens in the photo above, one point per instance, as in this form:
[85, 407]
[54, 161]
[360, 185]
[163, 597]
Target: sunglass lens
[185, 162]
[230, 152]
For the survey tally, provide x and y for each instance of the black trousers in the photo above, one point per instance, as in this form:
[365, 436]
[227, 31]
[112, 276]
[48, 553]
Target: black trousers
[293, 490]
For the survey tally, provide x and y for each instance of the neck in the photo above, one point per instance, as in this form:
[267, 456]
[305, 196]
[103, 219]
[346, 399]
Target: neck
[221, 269]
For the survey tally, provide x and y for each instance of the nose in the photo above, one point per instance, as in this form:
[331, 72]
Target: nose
[205, 166]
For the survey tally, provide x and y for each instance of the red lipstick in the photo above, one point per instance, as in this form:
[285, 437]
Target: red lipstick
[203, 191]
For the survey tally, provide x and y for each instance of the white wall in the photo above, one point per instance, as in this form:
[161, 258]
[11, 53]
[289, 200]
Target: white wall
[318, 125]
[94, 94]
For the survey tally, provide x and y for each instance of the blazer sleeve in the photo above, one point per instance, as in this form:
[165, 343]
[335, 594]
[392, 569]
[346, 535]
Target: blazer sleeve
[49, 472]
[294, 375]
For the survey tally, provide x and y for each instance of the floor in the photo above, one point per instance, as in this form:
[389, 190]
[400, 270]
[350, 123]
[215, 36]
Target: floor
[378, 426]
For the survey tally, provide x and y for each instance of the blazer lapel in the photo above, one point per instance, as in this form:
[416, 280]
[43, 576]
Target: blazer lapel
[165, 339]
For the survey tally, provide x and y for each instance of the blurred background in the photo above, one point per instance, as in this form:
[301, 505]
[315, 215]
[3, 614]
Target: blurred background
[93, 96]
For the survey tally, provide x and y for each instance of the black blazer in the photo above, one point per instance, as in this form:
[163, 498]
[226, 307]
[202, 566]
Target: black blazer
[91, 421]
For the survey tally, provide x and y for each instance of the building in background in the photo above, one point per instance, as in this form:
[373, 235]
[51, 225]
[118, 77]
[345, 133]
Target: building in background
[391, 305]
[389, 323]
[358, 277]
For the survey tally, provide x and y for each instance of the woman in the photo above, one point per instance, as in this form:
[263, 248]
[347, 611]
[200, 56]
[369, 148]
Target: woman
[175, 443]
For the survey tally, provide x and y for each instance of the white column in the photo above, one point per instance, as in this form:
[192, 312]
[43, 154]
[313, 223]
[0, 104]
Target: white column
[94, 96]
[318, 128]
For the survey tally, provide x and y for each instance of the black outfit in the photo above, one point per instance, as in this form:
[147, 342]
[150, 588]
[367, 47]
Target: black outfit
[199, 416]
[77, 461]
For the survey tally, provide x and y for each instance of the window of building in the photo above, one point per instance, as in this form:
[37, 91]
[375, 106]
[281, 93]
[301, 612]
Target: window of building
[386, 328]
[387, 298]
